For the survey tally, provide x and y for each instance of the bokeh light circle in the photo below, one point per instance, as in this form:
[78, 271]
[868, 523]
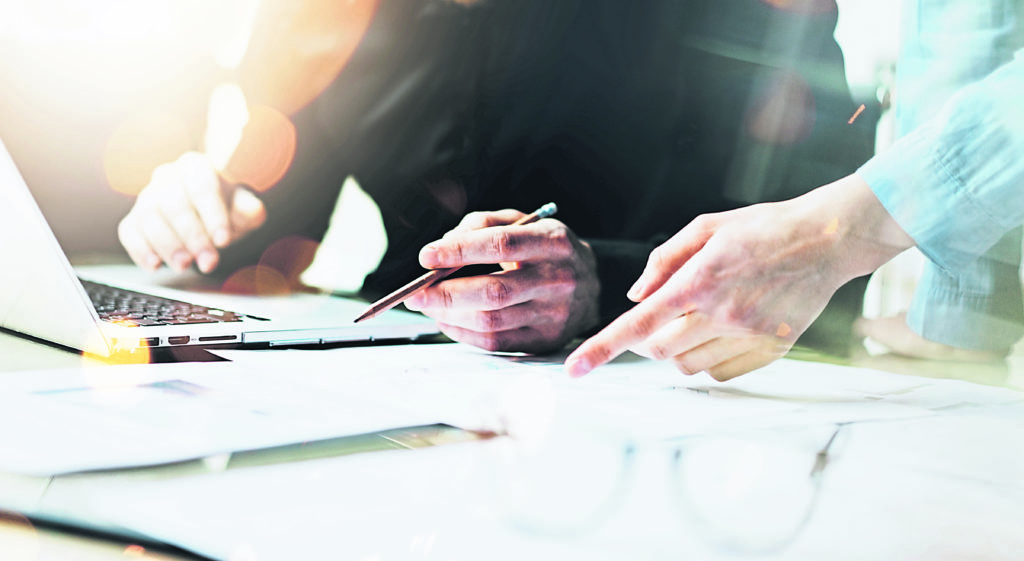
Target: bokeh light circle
[266, 149]
[783, 110]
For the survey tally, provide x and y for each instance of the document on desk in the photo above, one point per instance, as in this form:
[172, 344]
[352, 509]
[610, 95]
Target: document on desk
[634, 397]
[450, 502]
[67, 421]
[96, 418]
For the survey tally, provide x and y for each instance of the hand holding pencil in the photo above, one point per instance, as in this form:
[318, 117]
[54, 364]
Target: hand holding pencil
[545, 294]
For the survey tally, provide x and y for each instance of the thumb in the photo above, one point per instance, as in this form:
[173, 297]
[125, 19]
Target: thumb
[247, 212]
[670, 256]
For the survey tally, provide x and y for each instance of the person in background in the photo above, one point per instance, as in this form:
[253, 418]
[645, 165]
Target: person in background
[633, 118]
[731, 292]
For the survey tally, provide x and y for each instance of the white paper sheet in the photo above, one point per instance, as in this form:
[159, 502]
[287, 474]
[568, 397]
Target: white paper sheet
[472, 389]
[61, 421]
[131, 416]
[447, 503]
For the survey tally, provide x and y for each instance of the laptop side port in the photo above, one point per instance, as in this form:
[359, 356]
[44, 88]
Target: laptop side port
[217, 338]
[149, 342]
[178, 340]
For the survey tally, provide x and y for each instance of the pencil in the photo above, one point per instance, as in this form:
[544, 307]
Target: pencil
[434, 275]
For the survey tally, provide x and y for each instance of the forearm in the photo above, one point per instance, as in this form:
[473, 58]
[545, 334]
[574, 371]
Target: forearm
[846, 224]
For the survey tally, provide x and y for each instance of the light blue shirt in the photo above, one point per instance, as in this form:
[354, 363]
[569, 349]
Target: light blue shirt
[955, 183]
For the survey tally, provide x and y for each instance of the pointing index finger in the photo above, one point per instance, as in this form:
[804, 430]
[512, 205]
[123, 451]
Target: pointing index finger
[627, 330]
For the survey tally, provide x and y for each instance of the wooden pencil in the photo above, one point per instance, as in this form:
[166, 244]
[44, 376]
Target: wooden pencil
[434, 275]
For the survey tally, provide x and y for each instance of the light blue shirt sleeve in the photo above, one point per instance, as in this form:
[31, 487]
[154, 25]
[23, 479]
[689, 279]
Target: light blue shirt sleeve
[956, 182]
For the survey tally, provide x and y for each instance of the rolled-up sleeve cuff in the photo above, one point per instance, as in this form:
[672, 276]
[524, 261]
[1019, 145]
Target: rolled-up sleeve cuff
[915, 188]
[947, 309]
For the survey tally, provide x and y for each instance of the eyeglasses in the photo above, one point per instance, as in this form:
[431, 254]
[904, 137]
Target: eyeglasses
[747, 492]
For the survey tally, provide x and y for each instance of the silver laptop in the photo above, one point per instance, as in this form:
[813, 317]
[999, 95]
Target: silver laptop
[105, 309]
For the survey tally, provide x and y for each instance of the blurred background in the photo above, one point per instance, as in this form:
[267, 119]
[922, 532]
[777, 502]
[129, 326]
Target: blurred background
[96, 95]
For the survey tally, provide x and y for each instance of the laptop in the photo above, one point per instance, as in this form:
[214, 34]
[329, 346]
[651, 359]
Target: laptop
[103, 310]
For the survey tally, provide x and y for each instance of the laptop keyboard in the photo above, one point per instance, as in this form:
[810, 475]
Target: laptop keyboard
[126, 307]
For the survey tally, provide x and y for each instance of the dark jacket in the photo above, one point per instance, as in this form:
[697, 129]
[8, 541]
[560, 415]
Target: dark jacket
[635, 117]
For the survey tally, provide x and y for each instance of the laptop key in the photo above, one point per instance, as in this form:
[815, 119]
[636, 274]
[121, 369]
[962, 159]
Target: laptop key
[131, 308]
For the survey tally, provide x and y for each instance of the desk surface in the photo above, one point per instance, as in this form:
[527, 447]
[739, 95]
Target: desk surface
[31, 542]
[20, 540]
[20, 353]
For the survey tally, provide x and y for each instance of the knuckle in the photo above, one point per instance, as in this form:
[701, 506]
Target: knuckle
[503, 243]
[147, 199]
[496, 292]
[198, 242]
[455, 253]
[125, 231]
[678, 300]
[659, 351]
[490, 321]
[702, 222]
[642, 325]
[473, 221]
[559, 313]
[600, 353]
[162, 175]
[184, 225]
[445, 296]
[566, 278]
[560, 279]
[733, 314]
[493, 342]
[560, 236]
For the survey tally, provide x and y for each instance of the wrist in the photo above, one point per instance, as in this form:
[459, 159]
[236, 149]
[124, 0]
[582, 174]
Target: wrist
[864, 236]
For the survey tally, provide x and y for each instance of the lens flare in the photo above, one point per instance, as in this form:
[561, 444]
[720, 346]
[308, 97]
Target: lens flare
[226, 118]
[256, 280]
[124, 349]
[141, 144]
[803, 6]
[234, 43]
[856, 114]
[266, 149]
[450, 195]
[299, 48]
[290, 257]
[134, 550]
[123, 353]
[21, 540]
[111, 387]
[783, 111]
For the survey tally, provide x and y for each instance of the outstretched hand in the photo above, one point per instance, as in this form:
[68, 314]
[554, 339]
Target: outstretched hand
[733, 291]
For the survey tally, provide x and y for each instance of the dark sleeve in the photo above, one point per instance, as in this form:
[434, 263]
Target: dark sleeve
[395, 118]
[619, 265]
